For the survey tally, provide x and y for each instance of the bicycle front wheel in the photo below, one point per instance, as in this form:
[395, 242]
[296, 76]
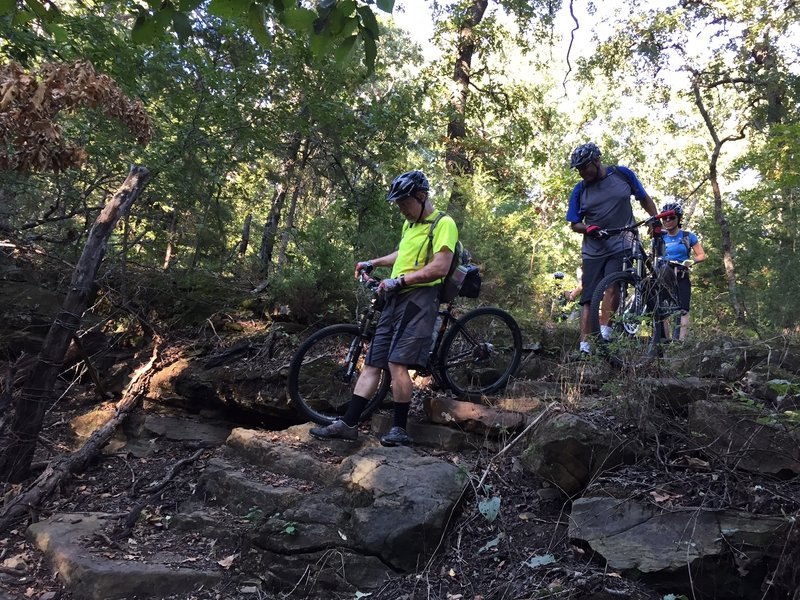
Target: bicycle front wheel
[480, 351]
[627, 306]
[323, 373]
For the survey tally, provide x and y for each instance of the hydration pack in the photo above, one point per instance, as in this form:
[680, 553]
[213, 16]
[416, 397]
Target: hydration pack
[463, 278]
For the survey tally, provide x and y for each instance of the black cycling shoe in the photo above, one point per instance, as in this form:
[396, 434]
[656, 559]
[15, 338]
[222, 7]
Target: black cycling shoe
[397, 436]
[338, 430]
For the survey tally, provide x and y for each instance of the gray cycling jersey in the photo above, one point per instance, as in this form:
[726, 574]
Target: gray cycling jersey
[607, 204]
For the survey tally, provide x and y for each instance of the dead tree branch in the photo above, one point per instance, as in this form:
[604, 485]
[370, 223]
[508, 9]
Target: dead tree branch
[37, 393]
[31, 499]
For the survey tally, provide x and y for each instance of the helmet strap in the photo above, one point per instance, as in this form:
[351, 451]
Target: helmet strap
[421, 207]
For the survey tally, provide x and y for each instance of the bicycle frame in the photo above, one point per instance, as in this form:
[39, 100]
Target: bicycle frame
[471, 355]
[640, 262]
[435, 364]
[651, 293]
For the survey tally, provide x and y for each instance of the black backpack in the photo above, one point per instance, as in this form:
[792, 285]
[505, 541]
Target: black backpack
[463, 278]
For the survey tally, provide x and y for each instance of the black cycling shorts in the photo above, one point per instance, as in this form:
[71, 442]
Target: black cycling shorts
[404, 334]
[684, 291]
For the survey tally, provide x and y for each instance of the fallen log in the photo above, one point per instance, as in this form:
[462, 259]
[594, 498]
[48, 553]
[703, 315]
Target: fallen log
[31, 499]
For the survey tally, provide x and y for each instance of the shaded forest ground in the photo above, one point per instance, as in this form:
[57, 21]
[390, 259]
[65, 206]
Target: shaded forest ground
[523, 553]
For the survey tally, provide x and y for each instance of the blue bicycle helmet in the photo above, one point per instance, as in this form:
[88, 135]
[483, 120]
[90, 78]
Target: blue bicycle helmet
[583, 154]
[406, 184]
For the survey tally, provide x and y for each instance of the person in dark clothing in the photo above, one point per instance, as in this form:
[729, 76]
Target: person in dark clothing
[600, 201]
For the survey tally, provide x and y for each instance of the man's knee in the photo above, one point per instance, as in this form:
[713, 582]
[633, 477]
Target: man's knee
[397, 368]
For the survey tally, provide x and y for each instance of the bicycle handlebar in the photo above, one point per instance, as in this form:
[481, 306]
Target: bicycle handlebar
[686, 264]
[371, 283]
[635, 226]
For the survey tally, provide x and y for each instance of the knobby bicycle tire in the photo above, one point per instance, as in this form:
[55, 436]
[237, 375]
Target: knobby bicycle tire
[635, 328]
[480, 352]
[320, 381]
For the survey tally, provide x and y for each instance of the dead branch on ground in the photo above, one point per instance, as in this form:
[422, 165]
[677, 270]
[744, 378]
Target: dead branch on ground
[32, 498]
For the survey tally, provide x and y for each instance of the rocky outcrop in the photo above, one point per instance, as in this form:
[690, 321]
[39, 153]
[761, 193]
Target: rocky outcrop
[240, 379]
[568, 450]
[665, 543]
[729, 359]
[379, 510]
[676, 394]
[648, 538]
[745, 437]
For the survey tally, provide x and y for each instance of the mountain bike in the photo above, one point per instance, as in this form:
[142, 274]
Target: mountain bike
[472, 355]
[639, 303]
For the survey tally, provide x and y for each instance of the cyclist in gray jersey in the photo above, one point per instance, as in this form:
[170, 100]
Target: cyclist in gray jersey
[600, 201]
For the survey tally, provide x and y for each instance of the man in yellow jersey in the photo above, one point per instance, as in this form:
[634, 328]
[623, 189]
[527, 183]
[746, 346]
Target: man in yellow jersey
[403, 334]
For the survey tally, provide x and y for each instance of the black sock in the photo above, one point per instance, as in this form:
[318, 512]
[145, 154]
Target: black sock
[354, 410]
[401, 414]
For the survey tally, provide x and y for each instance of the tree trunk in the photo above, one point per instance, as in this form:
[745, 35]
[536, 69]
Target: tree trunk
[173, 229]
[287, 231]
[287, 174]
[456, 159]
[245, 236]
[271, 229]
[719, 211]
[37, 393]
[286, 236]
[203, 224]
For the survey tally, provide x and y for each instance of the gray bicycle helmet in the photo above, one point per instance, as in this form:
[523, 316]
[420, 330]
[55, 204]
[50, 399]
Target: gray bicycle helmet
[406, 184]
[584, 154]
[674, 206]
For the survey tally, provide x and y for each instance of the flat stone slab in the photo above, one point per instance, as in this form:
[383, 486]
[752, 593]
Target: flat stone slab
[274, 450]
[177, 429]
[647, 538]
[90, 577]
[224, 483]
[378, 510]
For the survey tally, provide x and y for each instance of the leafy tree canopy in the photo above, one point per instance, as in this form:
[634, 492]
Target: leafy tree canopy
[332, 26]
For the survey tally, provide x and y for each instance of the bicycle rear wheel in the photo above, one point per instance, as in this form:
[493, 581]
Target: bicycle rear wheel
[323, 373]
[628, 306]
[480, 351]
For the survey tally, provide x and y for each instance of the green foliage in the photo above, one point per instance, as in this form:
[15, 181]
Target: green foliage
[765, 226]
[330, 23]
[233, 87]
[321, 278]
[254, 514]
[289, 528]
